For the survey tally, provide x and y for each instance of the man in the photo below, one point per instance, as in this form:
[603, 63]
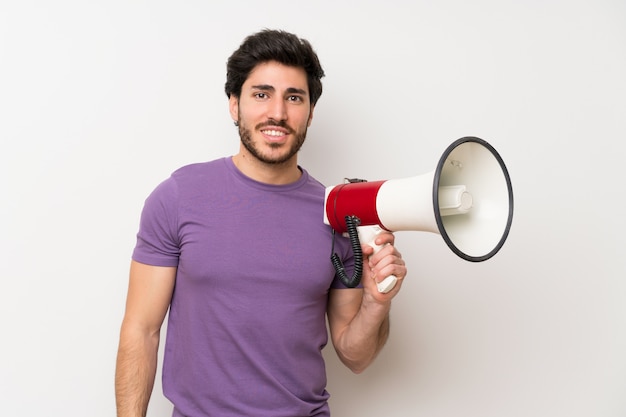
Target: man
[237, 250]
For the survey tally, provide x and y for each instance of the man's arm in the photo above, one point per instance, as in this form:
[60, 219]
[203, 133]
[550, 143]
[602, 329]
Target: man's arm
[149, 294]
[359, 318]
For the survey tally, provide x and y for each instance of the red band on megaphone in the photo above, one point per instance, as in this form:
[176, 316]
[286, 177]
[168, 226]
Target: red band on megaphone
[353, 199]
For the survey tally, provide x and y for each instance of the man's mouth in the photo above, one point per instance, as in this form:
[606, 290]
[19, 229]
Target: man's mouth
[274, 133]
[274, 128]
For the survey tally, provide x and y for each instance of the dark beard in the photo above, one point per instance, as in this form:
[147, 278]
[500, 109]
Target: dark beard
[246, 140]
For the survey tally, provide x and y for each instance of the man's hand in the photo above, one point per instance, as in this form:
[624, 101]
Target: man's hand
[378, 266]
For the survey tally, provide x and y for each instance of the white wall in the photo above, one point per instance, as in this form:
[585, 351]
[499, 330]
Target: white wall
[101, 100]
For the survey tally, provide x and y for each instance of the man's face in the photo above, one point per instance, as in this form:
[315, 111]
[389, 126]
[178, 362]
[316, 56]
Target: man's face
[273, 112]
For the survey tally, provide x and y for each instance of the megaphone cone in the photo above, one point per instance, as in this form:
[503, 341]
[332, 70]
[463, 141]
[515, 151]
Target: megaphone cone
[467, 199]
[478, 234]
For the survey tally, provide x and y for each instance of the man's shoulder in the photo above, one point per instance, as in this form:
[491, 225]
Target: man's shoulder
[197, 177]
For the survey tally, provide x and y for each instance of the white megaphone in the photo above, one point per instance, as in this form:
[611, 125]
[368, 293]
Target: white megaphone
[467, 199]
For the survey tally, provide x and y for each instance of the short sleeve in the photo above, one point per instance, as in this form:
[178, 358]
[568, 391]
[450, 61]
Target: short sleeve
[157, 238]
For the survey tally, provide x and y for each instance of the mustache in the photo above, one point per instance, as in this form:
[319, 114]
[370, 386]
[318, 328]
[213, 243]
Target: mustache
[275, 123]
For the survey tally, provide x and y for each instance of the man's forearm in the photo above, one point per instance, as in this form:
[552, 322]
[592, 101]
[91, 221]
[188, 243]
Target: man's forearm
[364, 338]
[135, 372]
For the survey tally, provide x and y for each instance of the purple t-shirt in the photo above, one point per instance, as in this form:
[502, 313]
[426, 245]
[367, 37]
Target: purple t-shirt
[247, 322]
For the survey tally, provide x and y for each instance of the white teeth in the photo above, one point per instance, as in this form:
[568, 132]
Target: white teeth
[273, 133]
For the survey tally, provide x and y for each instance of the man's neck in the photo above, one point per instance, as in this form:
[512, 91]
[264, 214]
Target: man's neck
[275, 174]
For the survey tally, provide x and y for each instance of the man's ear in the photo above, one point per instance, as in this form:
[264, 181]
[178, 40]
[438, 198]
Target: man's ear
[233, 106]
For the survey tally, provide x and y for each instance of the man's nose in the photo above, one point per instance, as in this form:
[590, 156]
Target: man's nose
[277, 110]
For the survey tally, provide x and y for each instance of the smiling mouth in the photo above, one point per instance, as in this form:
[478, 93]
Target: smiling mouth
[275, 128]
[274, 133]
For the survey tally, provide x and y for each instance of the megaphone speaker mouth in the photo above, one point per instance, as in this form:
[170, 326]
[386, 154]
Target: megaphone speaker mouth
[471, 179]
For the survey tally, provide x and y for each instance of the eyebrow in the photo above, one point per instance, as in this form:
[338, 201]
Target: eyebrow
[290, 90]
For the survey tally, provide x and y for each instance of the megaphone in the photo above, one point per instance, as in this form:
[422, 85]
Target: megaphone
[467, 199]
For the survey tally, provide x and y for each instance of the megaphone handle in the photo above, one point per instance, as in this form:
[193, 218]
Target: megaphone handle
[368, 235]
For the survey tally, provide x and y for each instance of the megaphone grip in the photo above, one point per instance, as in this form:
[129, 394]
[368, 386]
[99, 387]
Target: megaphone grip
[368, 234]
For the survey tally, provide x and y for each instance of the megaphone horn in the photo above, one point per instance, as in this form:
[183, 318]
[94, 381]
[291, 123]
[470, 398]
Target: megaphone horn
[467, 199]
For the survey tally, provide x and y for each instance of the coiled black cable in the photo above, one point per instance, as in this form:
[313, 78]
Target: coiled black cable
[351, 225]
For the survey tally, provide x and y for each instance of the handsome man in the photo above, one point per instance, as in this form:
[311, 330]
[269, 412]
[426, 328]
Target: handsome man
[237, 250]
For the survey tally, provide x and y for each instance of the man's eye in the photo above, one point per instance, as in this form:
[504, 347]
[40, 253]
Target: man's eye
[261, 96]
[295, 99]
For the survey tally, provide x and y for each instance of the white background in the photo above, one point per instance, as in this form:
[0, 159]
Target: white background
[101, 100]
